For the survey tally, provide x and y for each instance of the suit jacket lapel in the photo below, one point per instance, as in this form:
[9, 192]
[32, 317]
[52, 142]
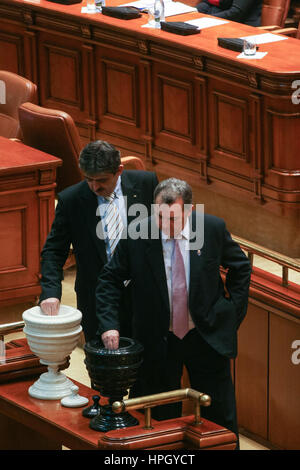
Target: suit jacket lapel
[89, 205]
[130, 192]
[196, 258]
[155, 257]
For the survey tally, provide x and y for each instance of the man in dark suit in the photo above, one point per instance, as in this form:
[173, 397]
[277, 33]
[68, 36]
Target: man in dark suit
[78, 222]
[212, 316]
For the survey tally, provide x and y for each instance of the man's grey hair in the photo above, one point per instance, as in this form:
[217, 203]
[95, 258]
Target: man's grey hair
[99, 157]
[171, 189]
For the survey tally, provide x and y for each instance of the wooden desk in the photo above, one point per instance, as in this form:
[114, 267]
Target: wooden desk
[29, 423]
[27, 183]
[187, 107]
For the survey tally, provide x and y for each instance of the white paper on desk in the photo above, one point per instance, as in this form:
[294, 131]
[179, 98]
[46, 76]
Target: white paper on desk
[265, 38]
[85, 10]
[206, 22]
[171, 8]
[177, 8]
[257, 55]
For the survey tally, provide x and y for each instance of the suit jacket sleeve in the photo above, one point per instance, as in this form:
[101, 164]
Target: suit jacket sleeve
[238, 275]
[54, 255]
[238, 10]
[110, 287]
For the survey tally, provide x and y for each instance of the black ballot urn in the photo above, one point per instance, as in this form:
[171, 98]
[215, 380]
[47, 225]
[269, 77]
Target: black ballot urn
[112, 373]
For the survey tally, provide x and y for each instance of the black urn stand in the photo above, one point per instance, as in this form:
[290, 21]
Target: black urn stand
[112, 373]
[108, 420]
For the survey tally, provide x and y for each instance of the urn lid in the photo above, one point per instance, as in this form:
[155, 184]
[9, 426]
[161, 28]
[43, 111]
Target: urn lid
[127, 346]
[66, 315]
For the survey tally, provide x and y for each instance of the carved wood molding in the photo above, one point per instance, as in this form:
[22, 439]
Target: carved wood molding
[30, 53]
[86, 31]
[119, 41]
[46, 210]
[199, 62]
[147, 103]
[28, 16]
[253, 80]
[11, 12]
[56, 24]
[10, 183]
[173, 55]
[278, 85]
[46, 176]
[227, 71]
[256, 146]
[143, 46]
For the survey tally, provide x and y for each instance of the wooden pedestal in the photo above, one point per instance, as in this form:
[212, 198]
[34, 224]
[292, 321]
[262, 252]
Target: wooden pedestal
[50, 425]
[27, 184]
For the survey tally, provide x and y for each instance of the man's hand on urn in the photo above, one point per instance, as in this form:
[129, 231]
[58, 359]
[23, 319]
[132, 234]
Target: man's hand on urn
[50, 306]
[110, 339]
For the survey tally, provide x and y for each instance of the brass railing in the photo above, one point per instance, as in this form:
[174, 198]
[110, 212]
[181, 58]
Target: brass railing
[149, 401]
[6, 328]
[285, 262]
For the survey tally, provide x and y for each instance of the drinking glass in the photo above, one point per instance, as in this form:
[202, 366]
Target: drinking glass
[249, 47]
[151, 16]
[91, 6]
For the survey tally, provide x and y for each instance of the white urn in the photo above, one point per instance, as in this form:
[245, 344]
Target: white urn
[52, 339]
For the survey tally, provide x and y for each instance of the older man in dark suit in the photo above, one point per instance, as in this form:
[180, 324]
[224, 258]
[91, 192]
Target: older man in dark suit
[80, 221]
[181, 313]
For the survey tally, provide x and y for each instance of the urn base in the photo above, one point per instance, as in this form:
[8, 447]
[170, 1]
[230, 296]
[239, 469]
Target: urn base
[107, 420]
[51, 386]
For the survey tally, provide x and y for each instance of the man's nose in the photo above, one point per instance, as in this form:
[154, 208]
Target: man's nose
[95, 185]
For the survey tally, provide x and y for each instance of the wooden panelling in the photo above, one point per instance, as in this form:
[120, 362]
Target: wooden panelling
[230, 129]
[118, 93]
[19, 235]
[267, 368]
[279, 124]
[12, 50]
[13, 237]
[64, 62]
[230, 139]
[61, 73]
[284, 410]
[251, 372]
[175, 109]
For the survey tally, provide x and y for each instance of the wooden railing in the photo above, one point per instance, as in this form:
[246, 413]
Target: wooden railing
[285, 262]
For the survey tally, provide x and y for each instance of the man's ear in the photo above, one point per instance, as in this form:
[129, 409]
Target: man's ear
[120, 169]
[191, 209]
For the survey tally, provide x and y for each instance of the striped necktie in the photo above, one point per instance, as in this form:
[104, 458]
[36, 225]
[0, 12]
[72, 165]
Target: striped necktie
[114, 224]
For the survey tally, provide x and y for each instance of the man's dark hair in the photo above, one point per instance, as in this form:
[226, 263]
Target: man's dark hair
[171, 189]
[99, 157]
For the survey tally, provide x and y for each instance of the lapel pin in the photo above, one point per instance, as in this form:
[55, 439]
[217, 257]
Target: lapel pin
[134, 195]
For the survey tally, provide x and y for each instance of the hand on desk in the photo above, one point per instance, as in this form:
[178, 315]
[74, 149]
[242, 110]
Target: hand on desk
[50, 306]
[110, 339]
